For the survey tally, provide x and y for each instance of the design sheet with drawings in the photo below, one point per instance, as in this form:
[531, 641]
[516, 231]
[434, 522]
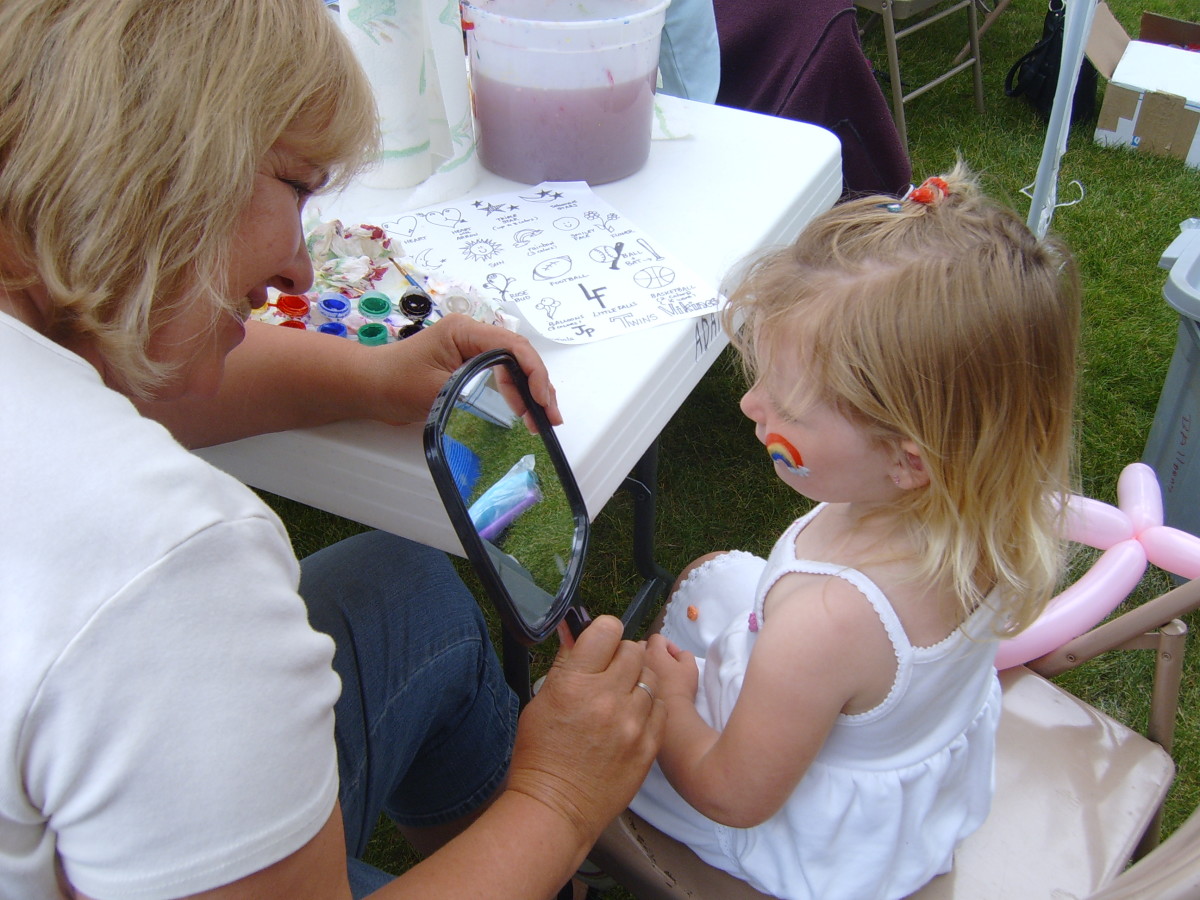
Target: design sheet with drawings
[565, 261]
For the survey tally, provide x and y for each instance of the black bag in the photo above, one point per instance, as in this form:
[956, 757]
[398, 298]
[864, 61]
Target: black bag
[1035, 75]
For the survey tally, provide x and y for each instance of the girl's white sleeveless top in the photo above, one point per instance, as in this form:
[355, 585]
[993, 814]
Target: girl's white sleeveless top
[893, 790]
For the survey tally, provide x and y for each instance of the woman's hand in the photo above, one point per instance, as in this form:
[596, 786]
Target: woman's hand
[586, 741]
[410, 373]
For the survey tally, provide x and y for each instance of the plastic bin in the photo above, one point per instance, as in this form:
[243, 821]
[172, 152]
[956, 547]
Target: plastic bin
[1171, 449]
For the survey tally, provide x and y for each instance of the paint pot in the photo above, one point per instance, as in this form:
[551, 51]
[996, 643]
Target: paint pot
[292, 305]
[375, 305]
[262, 310]
[408, 330]
[373, 334]
[563, 89]
[293, 323]
[416, 304]
[458, 303]
[338, 329]
[333, 305]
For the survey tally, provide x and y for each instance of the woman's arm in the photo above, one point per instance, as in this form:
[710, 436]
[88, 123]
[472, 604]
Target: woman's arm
[582, 750]
[816, 651]
[282, 378]
[519, 849]
[584, 745]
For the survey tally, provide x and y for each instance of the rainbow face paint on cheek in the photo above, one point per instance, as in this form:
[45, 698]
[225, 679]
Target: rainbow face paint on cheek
[782, 451]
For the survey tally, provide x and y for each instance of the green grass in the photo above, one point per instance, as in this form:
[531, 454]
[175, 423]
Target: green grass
[711, 496]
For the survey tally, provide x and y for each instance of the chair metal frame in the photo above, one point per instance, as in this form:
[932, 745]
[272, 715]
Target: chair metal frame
[892, 11]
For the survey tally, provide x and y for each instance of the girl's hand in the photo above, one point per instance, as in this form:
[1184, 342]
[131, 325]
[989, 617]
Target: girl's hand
[676, 669]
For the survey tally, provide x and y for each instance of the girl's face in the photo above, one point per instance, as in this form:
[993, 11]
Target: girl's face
[268, 250]
[838, 460]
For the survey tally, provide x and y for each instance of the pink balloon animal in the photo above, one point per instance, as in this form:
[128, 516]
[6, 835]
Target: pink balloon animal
[1131, 534]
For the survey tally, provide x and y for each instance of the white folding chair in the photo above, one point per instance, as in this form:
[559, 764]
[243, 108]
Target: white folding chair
[1078, 794]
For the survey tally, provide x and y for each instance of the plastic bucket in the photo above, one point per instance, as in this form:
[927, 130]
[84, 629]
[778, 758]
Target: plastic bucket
[1175, 433]
[563, 90]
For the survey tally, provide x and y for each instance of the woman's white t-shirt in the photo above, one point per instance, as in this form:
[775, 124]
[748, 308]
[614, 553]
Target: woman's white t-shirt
[166, 712]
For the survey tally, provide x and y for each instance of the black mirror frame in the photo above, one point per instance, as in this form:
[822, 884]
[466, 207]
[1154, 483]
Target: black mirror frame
[456, 507]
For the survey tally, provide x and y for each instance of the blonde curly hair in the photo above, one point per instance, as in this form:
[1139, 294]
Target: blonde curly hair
[130, 133]
[948, 324]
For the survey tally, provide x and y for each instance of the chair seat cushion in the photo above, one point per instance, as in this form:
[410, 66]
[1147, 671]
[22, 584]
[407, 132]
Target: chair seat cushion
[1075, 789]
[652, 866]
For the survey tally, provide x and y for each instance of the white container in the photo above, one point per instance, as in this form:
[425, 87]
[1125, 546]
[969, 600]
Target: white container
[1175, 433]
[563, 89]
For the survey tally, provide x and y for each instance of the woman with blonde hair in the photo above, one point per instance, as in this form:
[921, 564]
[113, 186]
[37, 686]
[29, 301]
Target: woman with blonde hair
[832, 709]
[171, 724]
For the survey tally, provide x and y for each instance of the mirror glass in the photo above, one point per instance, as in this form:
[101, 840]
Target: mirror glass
[510, 494]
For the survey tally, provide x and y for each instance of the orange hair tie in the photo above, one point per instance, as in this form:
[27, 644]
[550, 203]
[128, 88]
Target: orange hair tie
[931, 189]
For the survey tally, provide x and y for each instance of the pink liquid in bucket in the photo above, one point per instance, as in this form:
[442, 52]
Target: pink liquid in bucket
[563, 91]
[541, 134]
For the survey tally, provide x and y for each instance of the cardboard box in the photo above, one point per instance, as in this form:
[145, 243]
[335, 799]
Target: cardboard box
[1152, 102]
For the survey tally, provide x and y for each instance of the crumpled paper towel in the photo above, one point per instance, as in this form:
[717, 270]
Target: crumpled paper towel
[412, 52]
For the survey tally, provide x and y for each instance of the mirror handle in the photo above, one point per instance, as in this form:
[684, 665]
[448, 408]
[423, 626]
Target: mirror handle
[577, 619]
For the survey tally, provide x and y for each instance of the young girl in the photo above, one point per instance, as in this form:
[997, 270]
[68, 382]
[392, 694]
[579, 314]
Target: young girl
[913, 369]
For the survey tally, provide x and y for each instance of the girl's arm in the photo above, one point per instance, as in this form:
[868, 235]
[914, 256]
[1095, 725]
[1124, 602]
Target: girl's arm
[820, 648]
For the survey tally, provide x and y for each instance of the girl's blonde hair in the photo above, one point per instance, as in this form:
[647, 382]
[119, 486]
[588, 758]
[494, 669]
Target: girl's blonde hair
[130, 133]
[948, 324]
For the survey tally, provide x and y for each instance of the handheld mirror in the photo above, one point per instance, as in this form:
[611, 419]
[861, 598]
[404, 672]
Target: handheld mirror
[510, 495]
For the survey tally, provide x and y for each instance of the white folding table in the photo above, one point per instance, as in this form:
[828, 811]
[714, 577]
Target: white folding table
[739, 183]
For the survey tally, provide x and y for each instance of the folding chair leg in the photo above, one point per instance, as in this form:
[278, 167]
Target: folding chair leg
[988, 21]
[977, 69]
[1164, 707]
[893, 55]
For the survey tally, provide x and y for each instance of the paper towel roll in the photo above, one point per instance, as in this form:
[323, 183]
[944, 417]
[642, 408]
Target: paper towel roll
[412, 52]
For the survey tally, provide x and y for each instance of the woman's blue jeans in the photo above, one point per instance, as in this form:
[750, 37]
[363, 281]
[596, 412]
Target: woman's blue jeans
[425, 721]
